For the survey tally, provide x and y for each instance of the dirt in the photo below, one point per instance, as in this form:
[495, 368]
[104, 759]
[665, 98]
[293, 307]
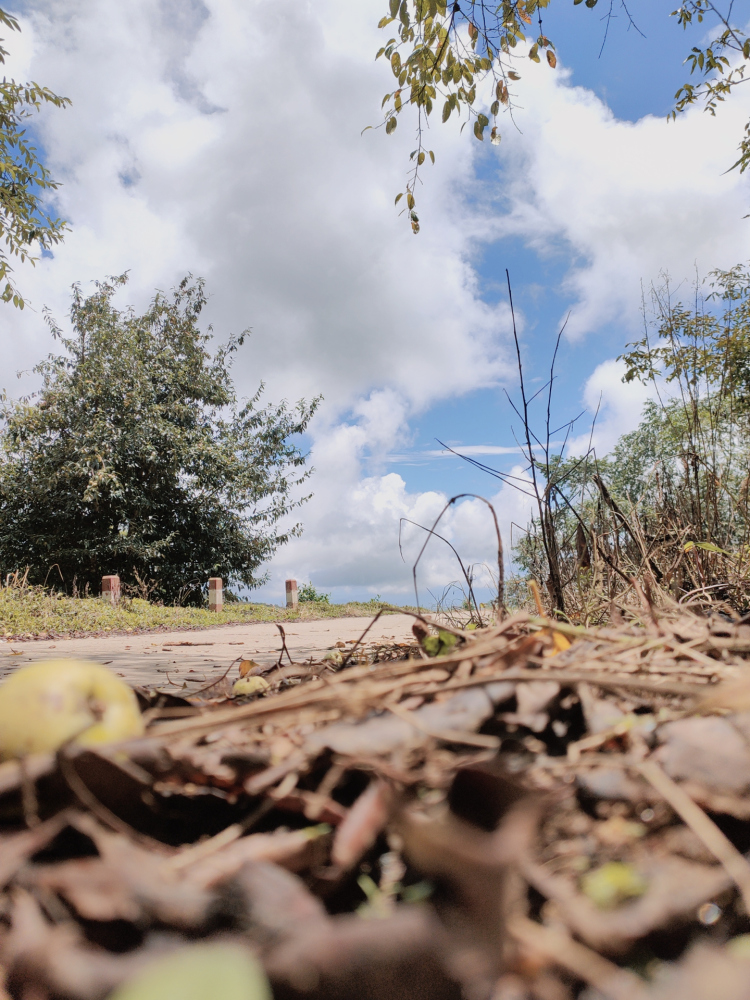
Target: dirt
[170, 659]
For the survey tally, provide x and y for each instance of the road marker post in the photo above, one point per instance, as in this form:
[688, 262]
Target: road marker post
[292, 601]
[215, 593]
[111, 589]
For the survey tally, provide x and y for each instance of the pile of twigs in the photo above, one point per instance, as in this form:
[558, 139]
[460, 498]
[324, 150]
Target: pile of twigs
[541, 811]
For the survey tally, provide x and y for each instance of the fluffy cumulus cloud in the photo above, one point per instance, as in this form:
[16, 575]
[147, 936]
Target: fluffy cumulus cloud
[624, 201]
[224, 138]
[617, 406]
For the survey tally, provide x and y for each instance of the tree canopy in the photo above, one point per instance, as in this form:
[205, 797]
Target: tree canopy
[25, 226]
[136, 457]
[441, 51]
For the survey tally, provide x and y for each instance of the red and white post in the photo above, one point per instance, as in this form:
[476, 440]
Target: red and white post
[215, 594]
[111, 589]
[292, 600]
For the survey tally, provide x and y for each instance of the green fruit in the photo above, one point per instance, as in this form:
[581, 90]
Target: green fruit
[201, 972]
[43, 705]
[250, 685]
[612, 884]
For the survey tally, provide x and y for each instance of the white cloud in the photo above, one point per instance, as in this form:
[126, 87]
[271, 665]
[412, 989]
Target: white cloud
[616, 404]
[623, 201]
[226, 141]
[350, 544]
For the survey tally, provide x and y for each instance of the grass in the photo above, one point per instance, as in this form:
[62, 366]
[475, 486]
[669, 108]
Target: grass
[34, 613]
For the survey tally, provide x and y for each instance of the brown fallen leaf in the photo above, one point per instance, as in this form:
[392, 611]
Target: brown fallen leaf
[125, 883]
[731, 696]
[312, 807]
[362, 825]
[269, 902]
[45, 960]
[463, 712]
[706, 749]
[295, 850]
[707, 972]
[17, 848]
[401, 957]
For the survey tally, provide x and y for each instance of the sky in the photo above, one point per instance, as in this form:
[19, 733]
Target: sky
[225, 138]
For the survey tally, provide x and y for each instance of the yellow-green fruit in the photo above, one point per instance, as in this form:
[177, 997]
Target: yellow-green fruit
[45, 704]
[249, 685]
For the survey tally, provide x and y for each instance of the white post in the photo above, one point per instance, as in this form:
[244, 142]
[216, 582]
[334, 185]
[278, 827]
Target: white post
[215, 594]
[291, 594]
[111, 589]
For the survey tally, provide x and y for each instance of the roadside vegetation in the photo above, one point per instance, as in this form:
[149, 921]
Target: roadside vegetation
[665, 517]
[28, 612]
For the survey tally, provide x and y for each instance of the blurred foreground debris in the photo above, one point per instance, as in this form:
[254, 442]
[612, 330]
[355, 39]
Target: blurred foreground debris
[513, 818]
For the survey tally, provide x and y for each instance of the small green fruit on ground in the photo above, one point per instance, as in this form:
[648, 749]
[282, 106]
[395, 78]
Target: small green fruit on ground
[43, 705]
[207, 971]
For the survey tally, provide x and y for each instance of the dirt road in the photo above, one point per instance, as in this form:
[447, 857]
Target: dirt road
[158, 658]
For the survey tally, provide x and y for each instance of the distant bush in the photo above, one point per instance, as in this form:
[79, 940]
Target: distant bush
[309, 595]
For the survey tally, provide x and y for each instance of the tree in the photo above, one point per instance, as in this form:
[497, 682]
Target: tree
[443, 49]
[24, 224]
[136, 458]
[671, 503]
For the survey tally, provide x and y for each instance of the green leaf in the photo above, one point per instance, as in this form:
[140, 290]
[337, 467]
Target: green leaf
[199, 972]
[390, 125]
[393, 7]
[432, 156]
[478, 131]
[707, 547]
[398, 198]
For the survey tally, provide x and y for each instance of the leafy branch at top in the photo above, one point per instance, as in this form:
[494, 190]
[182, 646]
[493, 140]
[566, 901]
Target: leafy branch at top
[441, 51]
[25, 227]
[717, 62]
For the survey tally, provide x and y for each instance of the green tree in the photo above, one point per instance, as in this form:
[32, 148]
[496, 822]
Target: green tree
[136, 458]
[440, 51]
[25, 228]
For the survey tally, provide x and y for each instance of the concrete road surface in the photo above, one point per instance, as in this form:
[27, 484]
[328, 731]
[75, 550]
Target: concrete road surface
[156, 658]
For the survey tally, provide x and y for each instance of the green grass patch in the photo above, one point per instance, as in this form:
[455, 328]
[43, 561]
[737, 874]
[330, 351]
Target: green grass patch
[32, 613]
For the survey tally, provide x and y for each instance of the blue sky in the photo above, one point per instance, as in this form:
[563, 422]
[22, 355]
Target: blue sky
[635, 67]
[228, 142]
